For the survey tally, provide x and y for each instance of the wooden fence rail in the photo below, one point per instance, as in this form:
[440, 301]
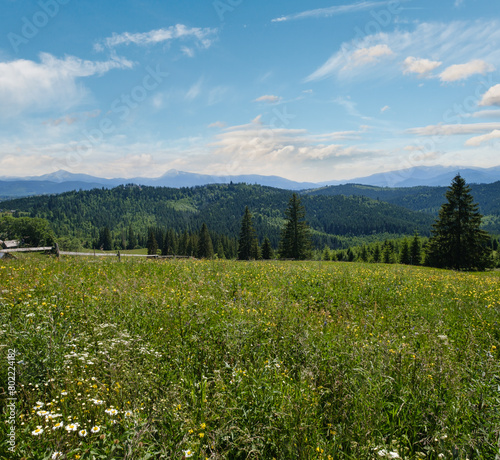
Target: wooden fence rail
[118, 254]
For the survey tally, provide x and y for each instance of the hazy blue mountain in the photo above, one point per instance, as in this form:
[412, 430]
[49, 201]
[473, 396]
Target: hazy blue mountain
[433, 176]
[61, 181]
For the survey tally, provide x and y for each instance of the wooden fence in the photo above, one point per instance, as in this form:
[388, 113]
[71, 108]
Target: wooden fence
[55, 250]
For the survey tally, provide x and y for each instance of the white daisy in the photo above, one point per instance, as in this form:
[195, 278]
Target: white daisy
[37, 432]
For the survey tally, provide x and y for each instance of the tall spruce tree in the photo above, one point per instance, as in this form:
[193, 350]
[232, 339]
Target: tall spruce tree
[267, 250]
[295, 240]
[404, 257]
[457, 241]
[246, 243]
[205, 246]
[106, 240]
[416, 250]
[152, 244]
[132, 240]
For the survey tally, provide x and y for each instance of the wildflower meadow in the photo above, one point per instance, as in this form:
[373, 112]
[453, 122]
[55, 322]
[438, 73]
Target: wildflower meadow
[217, 359]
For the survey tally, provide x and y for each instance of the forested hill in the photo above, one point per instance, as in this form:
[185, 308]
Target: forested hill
[81, 214]
[423, 199]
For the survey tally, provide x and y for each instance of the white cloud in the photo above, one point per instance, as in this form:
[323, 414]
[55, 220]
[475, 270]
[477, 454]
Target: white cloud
[422, 67]
[29, 86]
[195, 90]
[217, 124]
[203, 37]
[268, 98]
[333, 11]
[491, 97]
[189, 52]
[487, 114]
[262, 149]
[452, 130]
[449, 43]
[478, 140]
[366, 56]
[464, 71]
[385, 109]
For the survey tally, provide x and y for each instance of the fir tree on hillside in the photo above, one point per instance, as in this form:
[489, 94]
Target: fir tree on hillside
[295, 240]
[152, 244]
[246, 245]
[404, 257]
[457, 241]
[267, 250]
[132, 240]
[416, 250]
[205, 246]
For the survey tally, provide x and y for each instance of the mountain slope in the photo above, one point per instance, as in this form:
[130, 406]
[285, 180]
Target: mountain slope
[81, 214]
[423, 199]
[417, 176]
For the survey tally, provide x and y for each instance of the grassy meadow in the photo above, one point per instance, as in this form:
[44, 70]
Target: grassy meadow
[219, 359]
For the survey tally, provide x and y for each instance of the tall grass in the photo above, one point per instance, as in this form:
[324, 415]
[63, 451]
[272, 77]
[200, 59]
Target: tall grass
[263, 360]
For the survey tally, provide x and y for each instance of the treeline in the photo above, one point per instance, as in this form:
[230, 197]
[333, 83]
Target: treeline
[166, 241]
[78, 217]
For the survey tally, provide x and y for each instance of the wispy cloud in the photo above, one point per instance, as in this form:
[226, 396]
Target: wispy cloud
[487, 114]
[217, 124]
[445, 43]
[202, 36]
[268, 98]
[478, 140]
[385, 109]
[333, 11]
[452, 130]
[195, 90]
[262, 149]
[463, 71]
[29, 86]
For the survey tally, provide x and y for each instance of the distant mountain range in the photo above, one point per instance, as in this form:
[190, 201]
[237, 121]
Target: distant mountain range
[63, 181]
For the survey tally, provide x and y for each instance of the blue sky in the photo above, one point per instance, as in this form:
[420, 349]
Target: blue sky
[313, 90]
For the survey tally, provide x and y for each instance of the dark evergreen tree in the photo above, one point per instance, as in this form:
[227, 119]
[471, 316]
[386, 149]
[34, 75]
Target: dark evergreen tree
[387, 253]
[267, 250]
[255, 250]
[152, 244]
[220, 250]
[363, 256]
[295, 240]
[404, 256]
[205, 248]
[247, 237]
[326, 256]
[457, 241]
[416, 250]
[132, 240]
[376, 253]
[106, 242]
